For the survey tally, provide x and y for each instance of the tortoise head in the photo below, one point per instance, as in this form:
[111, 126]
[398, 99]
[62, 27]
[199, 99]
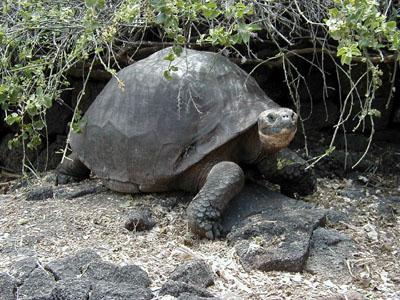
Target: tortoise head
[276, 128]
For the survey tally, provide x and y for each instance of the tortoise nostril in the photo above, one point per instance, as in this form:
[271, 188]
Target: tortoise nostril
[289, 116]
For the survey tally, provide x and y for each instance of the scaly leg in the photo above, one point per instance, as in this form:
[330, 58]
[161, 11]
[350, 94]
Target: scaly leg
[224, 181]
[290, 171]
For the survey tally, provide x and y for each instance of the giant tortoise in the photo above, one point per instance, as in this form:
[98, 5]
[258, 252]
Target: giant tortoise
[193, 132]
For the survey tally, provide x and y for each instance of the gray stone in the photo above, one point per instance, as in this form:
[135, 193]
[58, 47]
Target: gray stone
[130, 274]
[84, 257]
[188, 296]
[354, 193]
[72, 289]
[78, 277]
[103, 290]
[40, 193]
[176, 288]
[254, 199]
[23, 268]
[38, 286]
[328, 254]
[335, 216]
[195, 272]
[72, 266]
[271, 231]
[19, 183]
[140, 220]
[8, 287]
[389, 207]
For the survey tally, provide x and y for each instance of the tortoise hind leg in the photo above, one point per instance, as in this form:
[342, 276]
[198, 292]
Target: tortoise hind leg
[224, 181]
[71, 170]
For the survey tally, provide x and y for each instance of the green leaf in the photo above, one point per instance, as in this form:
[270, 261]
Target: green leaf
[180, 39]
[374, 112]
[95, 3]
[78, 124]
[13, 118]
[91, 3]
[13, 143]
[170, 56]
[391, 25]
[210, 10]
[34, 142]
[38, 125]
[47, 101]
[167, 75]
[177, 50]
[39, 92]
[101, 3]
[161, 18]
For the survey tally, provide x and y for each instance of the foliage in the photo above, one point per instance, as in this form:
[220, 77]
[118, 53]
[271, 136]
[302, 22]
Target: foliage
[359, 27]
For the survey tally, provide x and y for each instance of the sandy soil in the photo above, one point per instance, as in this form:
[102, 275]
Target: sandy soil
[56, 227]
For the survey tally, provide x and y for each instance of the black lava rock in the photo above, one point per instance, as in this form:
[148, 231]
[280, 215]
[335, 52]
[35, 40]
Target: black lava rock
[103, 290]
[176, 288]
[71, 266]
[23, 268]
[140, 220]
[195, 272]
[83, 276]
[8, 287]
[72, 289]
[38, 286]
[130, 274]
[271, 231]
[40, 193]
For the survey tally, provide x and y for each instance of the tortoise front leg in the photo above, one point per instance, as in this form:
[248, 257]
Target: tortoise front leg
[71, 170]
[224, 181]
[290, 171]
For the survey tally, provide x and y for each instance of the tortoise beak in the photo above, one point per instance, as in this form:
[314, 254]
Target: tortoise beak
[277, 127]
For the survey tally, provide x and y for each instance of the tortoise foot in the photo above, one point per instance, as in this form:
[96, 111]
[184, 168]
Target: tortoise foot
[298, 180]
[205, 221]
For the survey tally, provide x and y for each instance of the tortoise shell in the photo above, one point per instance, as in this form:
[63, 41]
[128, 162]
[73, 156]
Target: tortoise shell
[155, 128]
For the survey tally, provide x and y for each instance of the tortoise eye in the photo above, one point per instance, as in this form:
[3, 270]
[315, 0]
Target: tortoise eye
[271, 117]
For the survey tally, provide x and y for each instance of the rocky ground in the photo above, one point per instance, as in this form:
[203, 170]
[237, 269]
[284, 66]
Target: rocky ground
[340, 243]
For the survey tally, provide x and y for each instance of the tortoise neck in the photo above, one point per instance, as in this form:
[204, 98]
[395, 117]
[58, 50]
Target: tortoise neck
[252, 150]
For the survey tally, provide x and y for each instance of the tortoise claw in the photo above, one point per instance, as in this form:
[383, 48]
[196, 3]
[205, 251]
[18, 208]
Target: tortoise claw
[205, 222]
[215, 232]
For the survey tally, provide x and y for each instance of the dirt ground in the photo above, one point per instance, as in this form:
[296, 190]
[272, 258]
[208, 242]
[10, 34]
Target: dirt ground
[55, 227]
